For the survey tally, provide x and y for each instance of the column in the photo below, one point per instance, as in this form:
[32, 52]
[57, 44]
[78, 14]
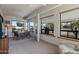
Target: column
[25, 26]
[28, 25]
[38, 28]
[34, 27]
[57, 25]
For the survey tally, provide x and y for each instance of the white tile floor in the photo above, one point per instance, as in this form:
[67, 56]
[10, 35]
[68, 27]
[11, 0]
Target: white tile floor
[31, 46]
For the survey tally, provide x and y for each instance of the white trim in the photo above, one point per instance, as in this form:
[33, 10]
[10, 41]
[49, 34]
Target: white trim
[38, 29]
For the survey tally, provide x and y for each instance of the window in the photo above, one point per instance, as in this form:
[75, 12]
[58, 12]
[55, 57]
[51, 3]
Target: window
[16, 24]
[47, 25]
[70, 24]
[31, 26]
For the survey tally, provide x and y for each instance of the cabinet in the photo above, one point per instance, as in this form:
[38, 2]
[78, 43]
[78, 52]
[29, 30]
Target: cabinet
[4, 46]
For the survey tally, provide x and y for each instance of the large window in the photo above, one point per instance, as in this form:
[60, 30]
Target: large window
[70, 24]
[16, 24]
[31, 26]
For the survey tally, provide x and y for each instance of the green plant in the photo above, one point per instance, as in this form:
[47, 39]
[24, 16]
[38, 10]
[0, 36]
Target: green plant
[50, 26]
[75, 23]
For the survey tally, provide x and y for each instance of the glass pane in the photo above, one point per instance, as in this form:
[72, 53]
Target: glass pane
[14, 23]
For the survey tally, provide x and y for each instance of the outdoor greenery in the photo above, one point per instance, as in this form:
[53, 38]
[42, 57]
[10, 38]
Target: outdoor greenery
[72, 25]
[13, 29]
[20, 24]
[50, 26]
[75, 24]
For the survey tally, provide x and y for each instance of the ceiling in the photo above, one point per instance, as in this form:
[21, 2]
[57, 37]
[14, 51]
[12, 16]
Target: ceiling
[18, 10]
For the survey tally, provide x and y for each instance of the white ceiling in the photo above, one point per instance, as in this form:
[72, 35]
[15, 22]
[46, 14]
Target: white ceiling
[18, 10]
